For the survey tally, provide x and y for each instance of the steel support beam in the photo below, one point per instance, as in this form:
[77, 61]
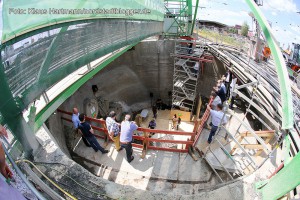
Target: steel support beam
[13, 117]
[263, 112]
[195, 15]
[284, 181]
[50, 53]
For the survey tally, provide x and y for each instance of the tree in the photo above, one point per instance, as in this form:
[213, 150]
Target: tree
[245, 29]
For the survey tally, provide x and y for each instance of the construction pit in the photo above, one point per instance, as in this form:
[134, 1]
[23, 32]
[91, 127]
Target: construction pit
[225, 169]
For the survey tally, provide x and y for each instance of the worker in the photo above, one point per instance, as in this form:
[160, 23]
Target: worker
[233, 96]
[113, 129]
[178, 123]
[6, 191]
[152, 125]
[88, 133]
[221, 91]
[217, 100]
[228, 78]
[174, 121]
[76, 122]
[154, 110]
[127, 129]
[216, 120]
[196, 69]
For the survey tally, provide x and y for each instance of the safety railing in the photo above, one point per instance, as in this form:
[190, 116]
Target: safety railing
[144, 136]
[200, 124]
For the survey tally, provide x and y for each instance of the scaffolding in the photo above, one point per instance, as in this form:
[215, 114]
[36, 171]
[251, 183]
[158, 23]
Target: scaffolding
[245, 149]
[178, 18]
[187, 62]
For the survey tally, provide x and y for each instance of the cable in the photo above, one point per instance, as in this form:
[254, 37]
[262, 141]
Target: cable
[76, 192]
[45, 163]
[76, 181]
[57, 186]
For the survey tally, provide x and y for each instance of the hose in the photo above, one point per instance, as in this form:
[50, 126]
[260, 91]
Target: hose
[57, 186]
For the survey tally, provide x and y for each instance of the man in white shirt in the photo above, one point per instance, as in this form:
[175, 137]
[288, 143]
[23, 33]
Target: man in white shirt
[233, 84]
[216, 118]
[217, 100]
[196, 68]
[127, 129]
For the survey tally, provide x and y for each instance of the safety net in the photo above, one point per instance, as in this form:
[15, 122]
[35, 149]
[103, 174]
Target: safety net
[33, 64]
[19, 16]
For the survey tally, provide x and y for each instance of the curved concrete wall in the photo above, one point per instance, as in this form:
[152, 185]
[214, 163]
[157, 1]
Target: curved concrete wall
[131, 77]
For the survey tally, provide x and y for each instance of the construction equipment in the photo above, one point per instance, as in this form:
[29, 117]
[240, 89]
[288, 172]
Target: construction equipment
[294, 59]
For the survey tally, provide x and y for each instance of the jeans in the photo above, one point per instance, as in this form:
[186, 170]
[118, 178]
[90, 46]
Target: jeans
[212, 133]
[85, 142]
[128, 148]
[94, 143]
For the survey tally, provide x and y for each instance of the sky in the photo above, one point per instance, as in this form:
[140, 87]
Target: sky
[281, 14]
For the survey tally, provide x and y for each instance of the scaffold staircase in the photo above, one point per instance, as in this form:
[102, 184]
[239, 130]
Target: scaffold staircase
[185, 75]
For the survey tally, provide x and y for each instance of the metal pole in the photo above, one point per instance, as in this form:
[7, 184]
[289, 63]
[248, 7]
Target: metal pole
[228, 154]
[240, 146]
[221, 164]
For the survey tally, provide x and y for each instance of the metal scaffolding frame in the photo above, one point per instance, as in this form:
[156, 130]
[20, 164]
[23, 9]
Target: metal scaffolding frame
[186, 72]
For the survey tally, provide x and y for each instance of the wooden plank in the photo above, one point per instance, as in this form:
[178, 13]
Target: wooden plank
[170, 141]
[252, 146]
[165, 131]
[168, 149]
[259, 133]
[235, 146]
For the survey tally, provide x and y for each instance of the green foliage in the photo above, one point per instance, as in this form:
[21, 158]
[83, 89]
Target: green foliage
[233, 30]
[245, 29]
[215, 36]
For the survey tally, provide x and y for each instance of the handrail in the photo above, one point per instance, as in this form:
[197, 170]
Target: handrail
[145, 138]
[202, 122]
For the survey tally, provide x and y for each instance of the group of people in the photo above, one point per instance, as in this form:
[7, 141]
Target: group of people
[221, 94]
[226, 87]
[176, 122]
[120, 134]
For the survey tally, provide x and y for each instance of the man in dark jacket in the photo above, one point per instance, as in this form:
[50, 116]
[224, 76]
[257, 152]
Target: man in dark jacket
[88, 133]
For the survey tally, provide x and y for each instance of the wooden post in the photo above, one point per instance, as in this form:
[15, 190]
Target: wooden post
[145, 145]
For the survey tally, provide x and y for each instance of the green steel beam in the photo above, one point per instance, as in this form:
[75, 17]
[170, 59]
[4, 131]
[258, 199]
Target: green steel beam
[284, 181]
[50, 53]
[190, 17]
[12, 116]
[45, 113]
[284, 81]
[195, 15]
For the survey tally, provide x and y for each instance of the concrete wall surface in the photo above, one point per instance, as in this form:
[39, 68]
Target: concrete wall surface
[131, 77]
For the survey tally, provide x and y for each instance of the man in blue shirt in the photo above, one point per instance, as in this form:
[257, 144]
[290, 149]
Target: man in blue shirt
[216, 119]
[76, 122]
[88, 133]
[127, 128]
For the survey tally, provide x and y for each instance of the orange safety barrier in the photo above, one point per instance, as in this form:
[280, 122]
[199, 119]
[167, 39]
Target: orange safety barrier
[145, 138]
[202, 122]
